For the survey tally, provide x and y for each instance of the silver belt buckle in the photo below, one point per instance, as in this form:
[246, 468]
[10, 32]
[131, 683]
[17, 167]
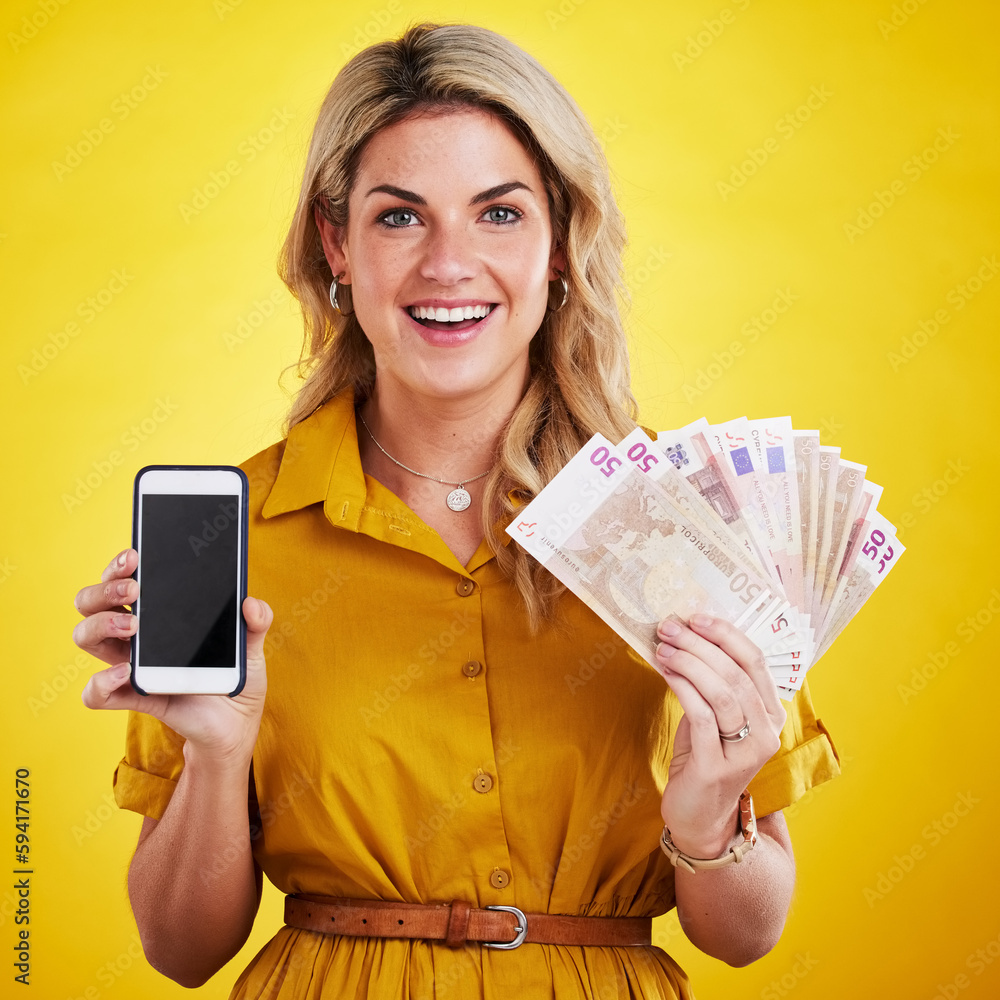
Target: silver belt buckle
[522, 929]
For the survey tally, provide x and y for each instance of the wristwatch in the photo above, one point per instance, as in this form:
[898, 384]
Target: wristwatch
[748, 825]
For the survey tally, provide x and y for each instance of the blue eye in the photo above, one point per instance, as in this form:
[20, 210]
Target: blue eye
[398, 218]
[502, 214]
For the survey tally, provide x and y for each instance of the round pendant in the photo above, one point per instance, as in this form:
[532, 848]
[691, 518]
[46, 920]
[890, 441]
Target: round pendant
[459, 499]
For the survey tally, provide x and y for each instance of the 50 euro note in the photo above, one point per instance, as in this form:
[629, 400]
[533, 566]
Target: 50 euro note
[865, 510]
[713, 458]
[778, 499]
[807, 473]
[748, 465]
[691, 451]
[844, 501]
[877, 552]
[732, 440]
[776, 633]
[616, 539]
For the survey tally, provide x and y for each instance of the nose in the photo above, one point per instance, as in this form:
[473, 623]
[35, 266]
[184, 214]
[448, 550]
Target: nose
[449, 253]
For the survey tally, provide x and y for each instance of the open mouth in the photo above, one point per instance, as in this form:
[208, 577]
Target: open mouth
[454, 319]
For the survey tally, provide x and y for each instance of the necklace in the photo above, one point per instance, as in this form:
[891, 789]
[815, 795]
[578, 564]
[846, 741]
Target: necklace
[457, 500]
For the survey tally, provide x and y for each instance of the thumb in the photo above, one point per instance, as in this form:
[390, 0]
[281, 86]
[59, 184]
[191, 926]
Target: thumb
[258, 616]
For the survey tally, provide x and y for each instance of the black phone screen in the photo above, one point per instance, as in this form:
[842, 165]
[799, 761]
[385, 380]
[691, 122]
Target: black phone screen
[188, 580]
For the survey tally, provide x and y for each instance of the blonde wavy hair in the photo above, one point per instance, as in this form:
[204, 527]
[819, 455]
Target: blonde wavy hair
[579, 381]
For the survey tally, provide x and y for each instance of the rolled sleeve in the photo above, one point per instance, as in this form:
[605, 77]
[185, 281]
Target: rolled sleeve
[145, 778]
[807, 757]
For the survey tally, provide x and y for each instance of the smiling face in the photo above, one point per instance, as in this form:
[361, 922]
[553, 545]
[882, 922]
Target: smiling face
[448, 252]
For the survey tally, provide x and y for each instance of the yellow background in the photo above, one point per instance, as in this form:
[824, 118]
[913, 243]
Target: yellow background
[160, 374]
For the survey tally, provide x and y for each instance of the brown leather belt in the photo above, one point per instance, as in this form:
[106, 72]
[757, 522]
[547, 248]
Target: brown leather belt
[460, 922]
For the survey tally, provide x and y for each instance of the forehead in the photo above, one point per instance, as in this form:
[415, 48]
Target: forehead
[455, 147]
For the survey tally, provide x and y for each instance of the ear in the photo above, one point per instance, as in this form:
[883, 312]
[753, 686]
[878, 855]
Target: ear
[334, 246]
[557, 263]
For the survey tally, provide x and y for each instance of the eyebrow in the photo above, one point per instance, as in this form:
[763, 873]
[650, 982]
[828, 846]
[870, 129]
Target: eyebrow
[489, 194]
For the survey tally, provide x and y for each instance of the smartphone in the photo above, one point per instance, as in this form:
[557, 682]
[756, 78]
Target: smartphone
[189, 526]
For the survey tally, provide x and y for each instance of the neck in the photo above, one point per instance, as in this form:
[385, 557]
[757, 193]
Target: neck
[451, 440]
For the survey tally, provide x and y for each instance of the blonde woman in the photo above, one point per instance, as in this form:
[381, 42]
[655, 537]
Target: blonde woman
[445, 730]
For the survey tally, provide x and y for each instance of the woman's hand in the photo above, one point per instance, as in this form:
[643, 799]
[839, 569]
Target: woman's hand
[219, 727]
[722, 683]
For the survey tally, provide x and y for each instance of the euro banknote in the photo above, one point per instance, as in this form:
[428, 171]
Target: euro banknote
[750, 520]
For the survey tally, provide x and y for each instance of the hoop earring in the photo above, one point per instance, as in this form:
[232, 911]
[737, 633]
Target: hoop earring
[334, 288]
[565, 292]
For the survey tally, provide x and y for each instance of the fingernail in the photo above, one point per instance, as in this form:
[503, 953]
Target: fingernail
[121, 671]
[670, 629]
[664, 651]
[122, 588]
[124, 622]
[702, 621]
[121, 559]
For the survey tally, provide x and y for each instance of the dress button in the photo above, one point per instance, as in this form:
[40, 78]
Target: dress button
[499, 879]
[465, 587]
[482, 783]
[472, 668]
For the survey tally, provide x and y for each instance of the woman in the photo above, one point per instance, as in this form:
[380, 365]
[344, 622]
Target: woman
[443, 724]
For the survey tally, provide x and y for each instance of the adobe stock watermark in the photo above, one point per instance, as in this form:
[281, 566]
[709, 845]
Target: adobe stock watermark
[60, 682]
[706, 36]
[938, 660]
[94, 819]
[925, 499]
[223, 8]
[958, 298]
[212, 530]
[655, 260]
[429, 826]
[121, 107]
[103, 468]
[830, 428]
[271, 810]
[666, 930]
[776, 989]
[108, 974]
[898, 17]
[303, 609]
[429, 653]
[604, 653]
[787, 126]
[39, 19]
[261, 474]
[6, 570]
[750, 331]
[88, 310]
[599, 825]
[249, 323]
[806, 800]
[932, 835]
[610, 129]
[913, 169]
[977, 962]
[561, 14]
[246, 152]
[371, 29]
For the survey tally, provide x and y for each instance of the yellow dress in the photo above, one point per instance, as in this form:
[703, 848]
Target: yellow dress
[398, 677]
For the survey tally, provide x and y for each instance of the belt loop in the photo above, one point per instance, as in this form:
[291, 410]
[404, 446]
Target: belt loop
[458, 923]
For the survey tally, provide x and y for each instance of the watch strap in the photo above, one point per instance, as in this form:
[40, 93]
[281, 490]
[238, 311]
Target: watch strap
[748, 826]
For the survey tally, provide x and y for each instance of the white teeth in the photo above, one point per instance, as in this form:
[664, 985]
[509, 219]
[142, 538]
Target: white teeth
[456, 315]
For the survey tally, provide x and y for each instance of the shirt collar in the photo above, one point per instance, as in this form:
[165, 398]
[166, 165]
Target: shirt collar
[321, 463]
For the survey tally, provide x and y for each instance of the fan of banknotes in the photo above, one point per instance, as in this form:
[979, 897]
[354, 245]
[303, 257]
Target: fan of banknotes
[750, 520]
